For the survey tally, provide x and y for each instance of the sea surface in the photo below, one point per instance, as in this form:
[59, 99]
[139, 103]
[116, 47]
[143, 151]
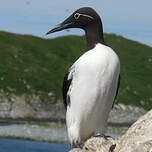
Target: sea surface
[17, 145]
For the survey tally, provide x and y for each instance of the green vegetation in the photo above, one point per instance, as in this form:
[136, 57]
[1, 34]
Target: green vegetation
[32, 65]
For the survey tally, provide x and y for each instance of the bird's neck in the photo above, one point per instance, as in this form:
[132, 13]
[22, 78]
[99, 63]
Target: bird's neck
[94, 35]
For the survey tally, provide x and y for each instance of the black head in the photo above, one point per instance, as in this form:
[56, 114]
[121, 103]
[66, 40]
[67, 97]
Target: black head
[81, 18]
[87, 19]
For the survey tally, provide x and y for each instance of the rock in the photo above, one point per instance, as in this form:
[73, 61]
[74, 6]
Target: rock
[125, 114]
[20, 108]
[34, 106]
[138, 138]
[95, 144]
[76, 150]
[29, 106]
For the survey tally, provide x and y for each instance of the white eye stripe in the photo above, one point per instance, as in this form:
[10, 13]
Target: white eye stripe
[87, 16]
[77, 15]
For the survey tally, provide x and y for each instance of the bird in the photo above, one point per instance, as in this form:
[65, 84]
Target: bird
[91, 84]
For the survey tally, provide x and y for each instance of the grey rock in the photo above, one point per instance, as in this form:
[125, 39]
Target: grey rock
[125, 114]
[138, 138]
[32, 106]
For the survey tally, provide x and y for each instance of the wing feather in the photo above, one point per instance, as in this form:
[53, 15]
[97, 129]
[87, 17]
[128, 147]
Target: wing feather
[118, 86]
[65, 88]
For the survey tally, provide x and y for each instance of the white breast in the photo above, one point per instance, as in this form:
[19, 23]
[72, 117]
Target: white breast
[95, 75]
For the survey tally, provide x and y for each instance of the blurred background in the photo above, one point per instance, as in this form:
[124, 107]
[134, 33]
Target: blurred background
[131, 19]
[32, 67]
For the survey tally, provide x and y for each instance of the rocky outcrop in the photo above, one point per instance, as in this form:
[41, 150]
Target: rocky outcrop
[138, 138]
[29, 107]
[34, 107]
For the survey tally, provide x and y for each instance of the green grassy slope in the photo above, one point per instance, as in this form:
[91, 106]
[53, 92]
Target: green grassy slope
[30, 65]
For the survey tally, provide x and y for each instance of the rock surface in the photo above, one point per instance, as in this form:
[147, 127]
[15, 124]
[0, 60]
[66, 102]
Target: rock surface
[32, 106]
[29, 106]
[138, 138]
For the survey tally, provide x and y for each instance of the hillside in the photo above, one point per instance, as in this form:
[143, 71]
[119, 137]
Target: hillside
[32, 65]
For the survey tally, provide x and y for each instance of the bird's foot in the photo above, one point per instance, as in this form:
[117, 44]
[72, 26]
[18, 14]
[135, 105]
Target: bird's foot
[102, 135]
[76, 145]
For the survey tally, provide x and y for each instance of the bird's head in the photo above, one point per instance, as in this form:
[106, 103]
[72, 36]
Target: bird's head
[81, 18]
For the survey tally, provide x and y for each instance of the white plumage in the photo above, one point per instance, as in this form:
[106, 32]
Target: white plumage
[92, 92]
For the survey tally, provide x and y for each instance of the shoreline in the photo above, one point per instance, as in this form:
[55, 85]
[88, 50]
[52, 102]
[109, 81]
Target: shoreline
[54, 120]
[50, 132]
[53, 128]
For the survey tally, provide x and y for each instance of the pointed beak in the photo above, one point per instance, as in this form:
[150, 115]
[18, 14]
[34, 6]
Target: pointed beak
[60, 27]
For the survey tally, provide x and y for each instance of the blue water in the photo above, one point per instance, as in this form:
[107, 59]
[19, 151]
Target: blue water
[16, 145]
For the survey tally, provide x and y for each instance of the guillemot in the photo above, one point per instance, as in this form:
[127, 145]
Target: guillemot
[92, 82]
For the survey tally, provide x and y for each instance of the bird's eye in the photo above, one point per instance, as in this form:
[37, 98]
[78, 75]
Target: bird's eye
[76, 15]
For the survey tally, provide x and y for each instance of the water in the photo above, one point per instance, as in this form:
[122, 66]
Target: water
[16, 145]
